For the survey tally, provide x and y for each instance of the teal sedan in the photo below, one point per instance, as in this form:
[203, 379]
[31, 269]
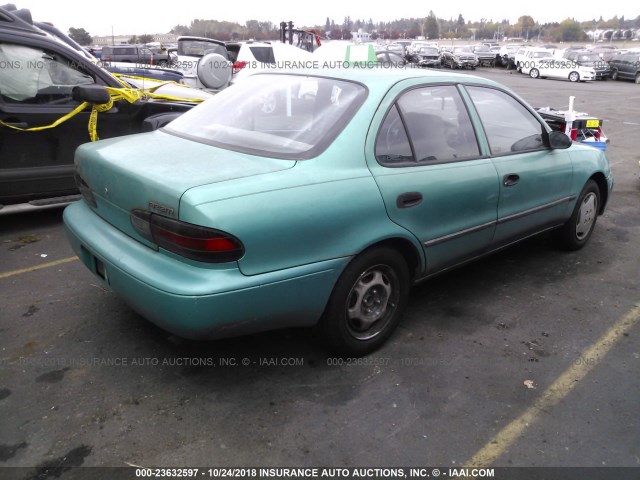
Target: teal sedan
[316, 199]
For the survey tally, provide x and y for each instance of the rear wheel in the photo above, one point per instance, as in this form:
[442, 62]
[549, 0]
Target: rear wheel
[534, 73]
[575, 234]
[637, 77]
[367, 302]
[574, 77]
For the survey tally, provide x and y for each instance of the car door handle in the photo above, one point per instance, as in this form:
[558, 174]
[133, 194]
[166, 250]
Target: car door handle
[510, 179]
[409, 199]
[16, 124]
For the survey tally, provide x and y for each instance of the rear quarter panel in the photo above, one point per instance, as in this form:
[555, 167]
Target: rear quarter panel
[304, 215]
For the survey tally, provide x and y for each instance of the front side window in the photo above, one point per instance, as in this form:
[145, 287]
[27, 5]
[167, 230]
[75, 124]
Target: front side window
[34, 76]
[282, 116]
[509, 126]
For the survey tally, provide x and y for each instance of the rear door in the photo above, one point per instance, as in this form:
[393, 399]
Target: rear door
[424, 155]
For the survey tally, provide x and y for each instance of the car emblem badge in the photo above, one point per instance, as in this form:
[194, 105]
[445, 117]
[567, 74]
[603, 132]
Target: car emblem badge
[157, 207]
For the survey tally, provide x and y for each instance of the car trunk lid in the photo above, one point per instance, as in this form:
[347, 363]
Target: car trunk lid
[152, 171]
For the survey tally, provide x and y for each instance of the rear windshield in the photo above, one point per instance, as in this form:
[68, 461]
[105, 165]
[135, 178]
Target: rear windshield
[281, 116]
[200, 48]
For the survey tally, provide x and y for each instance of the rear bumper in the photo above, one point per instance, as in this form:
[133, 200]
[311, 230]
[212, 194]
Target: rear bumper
[198, 302]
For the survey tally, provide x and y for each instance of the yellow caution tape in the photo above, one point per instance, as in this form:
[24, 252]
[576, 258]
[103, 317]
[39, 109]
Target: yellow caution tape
[62, 119]
[127, 93]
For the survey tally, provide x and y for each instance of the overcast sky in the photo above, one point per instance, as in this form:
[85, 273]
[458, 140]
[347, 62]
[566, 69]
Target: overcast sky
[139, 17]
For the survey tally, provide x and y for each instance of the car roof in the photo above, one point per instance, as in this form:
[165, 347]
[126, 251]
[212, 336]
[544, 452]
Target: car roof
[385, 78]
[18, 21]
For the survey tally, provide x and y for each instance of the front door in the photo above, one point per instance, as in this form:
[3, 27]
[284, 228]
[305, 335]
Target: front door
[534, 180]
[36, 90]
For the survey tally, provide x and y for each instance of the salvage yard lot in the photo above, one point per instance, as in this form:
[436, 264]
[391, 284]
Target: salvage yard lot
[85, 381]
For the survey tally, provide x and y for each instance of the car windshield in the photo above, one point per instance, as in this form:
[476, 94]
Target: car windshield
[462, 50]
[429, 51]
[482, 48]
[283, 116]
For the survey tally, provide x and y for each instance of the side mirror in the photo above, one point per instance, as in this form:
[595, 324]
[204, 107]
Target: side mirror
[90, 93]
[559, 141]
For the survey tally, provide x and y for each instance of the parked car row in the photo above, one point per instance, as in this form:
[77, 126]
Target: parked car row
[626, 66]
[574, 63]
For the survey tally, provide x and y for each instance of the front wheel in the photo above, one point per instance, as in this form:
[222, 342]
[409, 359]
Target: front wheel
[367, 302]
[575, 233]
[638, 78]
[534, 73]
[614, 75]
[574, 77]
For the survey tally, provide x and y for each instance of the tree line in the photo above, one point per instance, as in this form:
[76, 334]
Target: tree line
[430, 27]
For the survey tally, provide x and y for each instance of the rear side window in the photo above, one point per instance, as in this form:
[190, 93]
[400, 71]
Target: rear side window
[509, 126]
[263, 54]
[125, 51]
[392, 144]
[438, 128]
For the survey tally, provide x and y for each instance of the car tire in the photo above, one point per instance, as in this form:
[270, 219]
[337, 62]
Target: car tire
[574, 77]
[163, 64]
[638, 78]
[367, 302]
[534, 73]
[575, 233]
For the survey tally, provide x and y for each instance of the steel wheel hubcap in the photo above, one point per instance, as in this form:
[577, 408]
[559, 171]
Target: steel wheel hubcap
[372, 302]
[586, 215]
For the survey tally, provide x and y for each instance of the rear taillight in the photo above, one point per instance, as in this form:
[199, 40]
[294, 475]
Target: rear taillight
[237, 66]
[187, 240]
[85, 190]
